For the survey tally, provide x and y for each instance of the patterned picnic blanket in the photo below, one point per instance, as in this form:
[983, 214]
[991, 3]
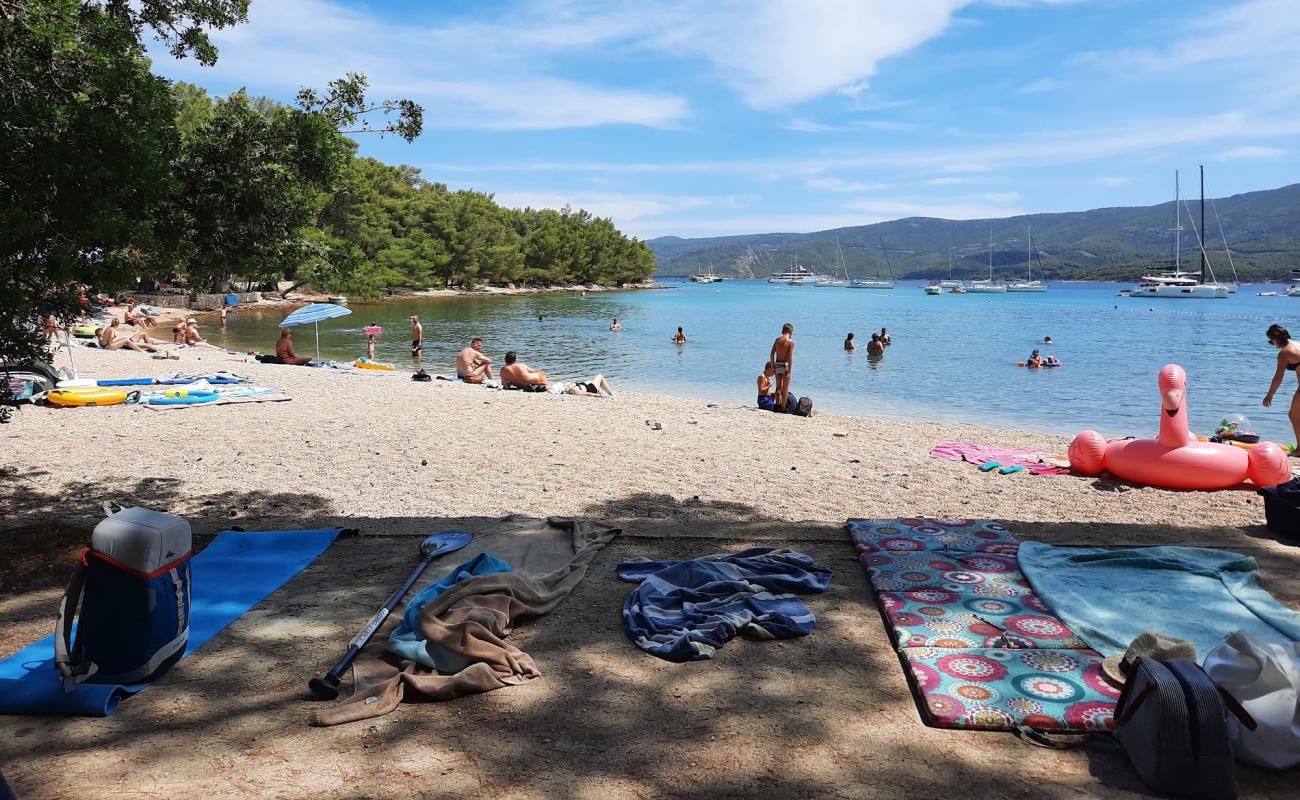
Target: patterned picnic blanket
[981, 649]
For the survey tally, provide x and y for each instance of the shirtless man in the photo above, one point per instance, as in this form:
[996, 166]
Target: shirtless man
[885, 338]
[765, 400]
[284, 349]
[417, 336]
[471, 365]
[875, 347]
[782, 358]
[614, 326]
[109, 341]
[679, 337]
[192, 337]
[520, 375]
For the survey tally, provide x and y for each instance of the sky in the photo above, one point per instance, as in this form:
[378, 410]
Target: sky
[719, 117]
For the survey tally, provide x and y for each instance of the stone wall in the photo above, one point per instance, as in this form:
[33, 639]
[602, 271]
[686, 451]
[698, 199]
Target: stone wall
[197, 302]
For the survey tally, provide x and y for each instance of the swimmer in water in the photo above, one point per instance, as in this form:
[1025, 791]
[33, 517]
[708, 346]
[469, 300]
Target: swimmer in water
[679, 337]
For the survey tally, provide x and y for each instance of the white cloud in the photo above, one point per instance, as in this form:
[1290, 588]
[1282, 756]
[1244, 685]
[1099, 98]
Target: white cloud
[808, 126]
[1114, 181]
[947, 180]
[840, 185]
[632, 212]
[1041, 85]
[1251, 152]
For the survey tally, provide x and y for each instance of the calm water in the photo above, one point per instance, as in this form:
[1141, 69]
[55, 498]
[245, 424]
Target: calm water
[953, 358]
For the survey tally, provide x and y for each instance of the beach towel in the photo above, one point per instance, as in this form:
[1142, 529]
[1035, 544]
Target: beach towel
[1033, 461]
[231, 575]
[466, 628]
[981, 649]
[686, 610]
[406, 639]
[1200, 595]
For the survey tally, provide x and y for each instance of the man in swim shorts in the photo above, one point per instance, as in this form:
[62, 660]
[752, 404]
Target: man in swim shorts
[875, 347]
[765, 400]
[471, 365]
[782, 358]
[520, 376]
[417, 336]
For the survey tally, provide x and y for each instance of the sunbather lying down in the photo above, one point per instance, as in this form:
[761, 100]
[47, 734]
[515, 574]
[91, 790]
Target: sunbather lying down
[595, 386]
[110, 338]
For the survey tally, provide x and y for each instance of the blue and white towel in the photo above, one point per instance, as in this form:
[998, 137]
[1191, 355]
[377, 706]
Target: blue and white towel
[686, 610]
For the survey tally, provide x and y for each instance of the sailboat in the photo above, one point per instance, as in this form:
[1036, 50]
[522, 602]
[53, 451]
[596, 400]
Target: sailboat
[1029, 284]
[877, 282]
[1177, 284]
[840, 269]
[987, 286]
[706, 277]
[949, 283]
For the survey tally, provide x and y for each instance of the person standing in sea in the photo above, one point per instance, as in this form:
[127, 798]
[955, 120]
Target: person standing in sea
[417, 337]
[782, 358]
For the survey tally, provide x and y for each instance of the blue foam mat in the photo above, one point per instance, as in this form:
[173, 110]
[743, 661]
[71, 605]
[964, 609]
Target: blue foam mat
[231, 575]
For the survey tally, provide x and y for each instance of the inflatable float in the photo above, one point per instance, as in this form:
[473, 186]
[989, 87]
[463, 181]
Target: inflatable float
[86, 396]
[126, 382]
[84, 331]
[183, 397]
[1175, 459]
[365, 363]
[1040, 366]
[1286, 448]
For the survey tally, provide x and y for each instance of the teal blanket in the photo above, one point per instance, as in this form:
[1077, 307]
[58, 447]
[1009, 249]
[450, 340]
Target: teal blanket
[1108, 597]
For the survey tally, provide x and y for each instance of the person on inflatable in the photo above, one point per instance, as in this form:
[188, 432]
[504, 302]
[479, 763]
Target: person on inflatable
[1034, 361]
[1051, 361]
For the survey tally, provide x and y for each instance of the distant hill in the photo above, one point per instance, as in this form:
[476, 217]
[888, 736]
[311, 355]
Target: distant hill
[1262, 228]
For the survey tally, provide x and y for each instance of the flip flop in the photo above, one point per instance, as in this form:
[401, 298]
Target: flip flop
[1010, 470]
[989, 466]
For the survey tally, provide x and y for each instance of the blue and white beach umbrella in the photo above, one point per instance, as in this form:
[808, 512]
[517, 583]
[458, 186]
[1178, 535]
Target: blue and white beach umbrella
[314, 314]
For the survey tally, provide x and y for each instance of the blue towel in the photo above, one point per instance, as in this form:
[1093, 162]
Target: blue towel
[1108, 597]
[406, 640]
[686, 610]
[231, 575]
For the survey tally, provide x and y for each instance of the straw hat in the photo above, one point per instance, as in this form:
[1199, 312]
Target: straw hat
[1148, 644]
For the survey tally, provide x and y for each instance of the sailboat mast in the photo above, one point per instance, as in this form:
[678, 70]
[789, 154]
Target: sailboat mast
[1029, 255]
[1202, 236]
[1178, 227]
[990, 254]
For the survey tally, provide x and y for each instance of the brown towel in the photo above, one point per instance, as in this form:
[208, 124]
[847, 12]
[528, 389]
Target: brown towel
[468, 624]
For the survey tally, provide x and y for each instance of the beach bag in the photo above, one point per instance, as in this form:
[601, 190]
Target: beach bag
[803, 408]
[130, 594]
[1282, 507]
[1265, 678]
[1171, 719]
[422, 376]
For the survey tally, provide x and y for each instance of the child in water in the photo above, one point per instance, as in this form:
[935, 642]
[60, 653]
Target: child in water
[372, 335]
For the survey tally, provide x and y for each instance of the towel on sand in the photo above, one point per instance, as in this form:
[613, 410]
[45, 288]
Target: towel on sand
[406, 639]
[1108, 597]
[1034, 461]
[686, 610]
[465, 627]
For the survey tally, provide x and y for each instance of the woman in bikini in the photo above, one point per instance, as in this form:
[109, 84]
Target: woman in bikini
[1288, 358]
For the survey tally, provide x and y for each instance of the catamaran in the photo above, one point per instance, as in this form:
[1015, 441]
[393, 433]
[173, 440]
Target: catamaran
[987, 286]
[797, 275]
[1029, 284]
[1177, 283]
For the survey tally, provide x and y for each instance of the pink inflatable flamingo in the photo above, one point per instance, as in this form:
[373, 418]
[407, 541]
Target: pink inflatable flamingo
[1175, 459]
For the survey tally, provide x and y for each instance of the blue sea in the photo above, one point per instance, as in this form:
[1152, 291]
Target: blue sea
[953, 358]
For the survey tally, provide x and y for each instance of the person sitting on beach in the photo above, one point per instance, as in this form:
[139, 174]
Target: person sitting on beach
[765, 398]
[595, 386]
[192, 337]
[179, 331]
[614, 326]
[884, 337]
[875, 347]
[849, 344]
[679, 337]
[284, 350]
[471, 365]
[782, 358]
[1035, 360]
[133, 317]
[108, 339]
[519, 376]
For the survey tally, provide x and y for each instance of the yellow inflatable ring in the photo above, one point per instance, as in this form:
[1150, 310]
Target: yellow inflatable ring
[365, 363]
[87, 396]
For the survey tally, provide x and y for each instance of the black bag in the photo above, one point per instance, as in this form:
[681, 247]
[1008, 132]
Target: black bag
[422, 376]
[1172, 720]
[804, 407]
[1282, 508]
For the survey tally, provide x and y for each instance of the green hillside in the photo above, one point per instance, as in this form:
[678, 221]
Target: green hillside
[1262, 228]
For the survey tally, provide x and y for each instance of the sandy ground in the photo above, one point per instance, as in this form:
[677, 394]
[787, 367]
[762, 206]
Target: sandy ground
[829, 715]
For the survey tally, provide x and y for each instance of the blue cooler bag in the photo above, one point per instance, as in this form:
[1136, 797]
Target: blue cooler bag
[132, 586]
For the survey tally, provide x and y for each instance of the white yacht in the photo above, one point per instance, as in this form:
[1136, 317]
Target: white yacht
[1294, 289]
[1029, 284]
[1178, 283]
[933, 288]
[797, 275]
[987, 286]
[706, 277]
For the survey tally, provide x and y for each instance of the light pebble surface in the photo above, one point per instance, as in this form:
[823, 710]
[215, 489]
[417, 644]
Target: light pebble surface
[353, 443]
[827, 715]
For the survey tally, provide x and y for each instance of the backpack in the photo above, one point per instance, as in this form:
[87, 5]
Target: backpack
[803, 408]
[422, 376]
[131, 596]
[1171, 719]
